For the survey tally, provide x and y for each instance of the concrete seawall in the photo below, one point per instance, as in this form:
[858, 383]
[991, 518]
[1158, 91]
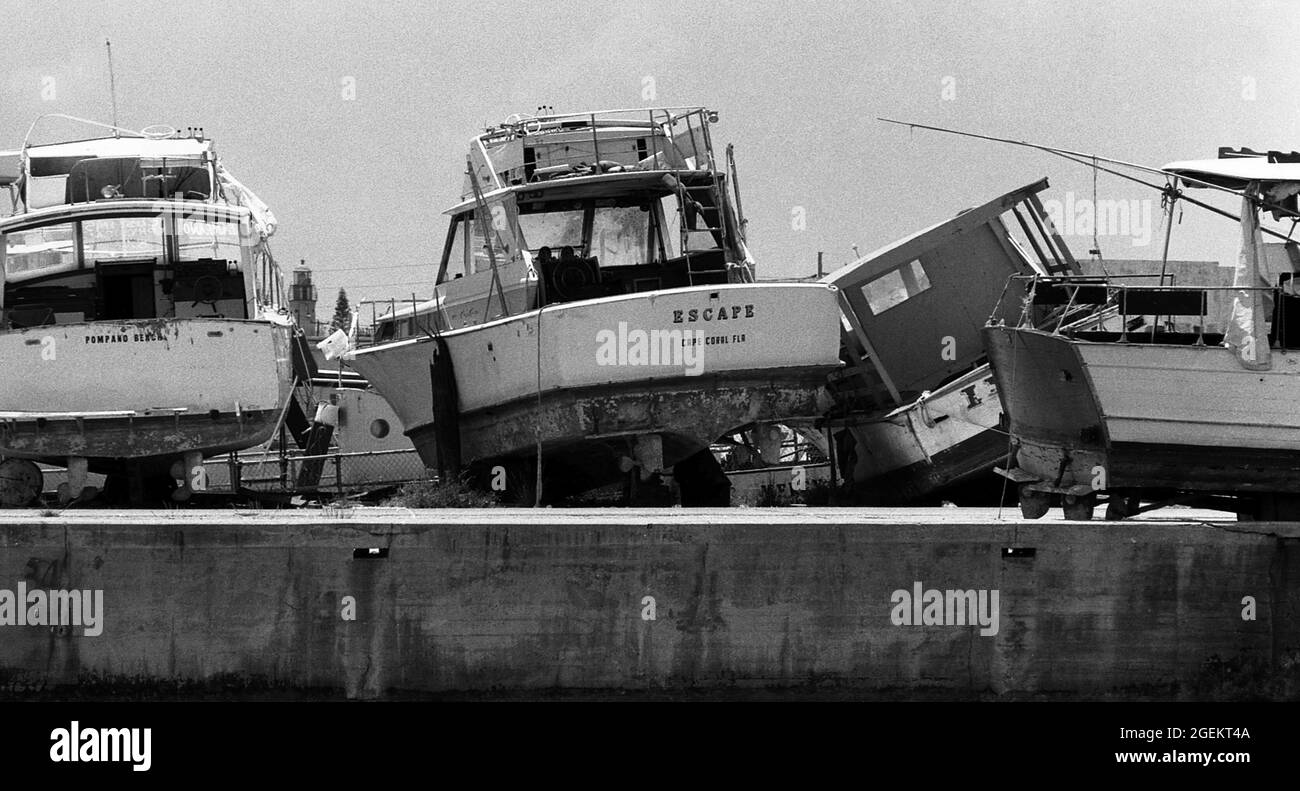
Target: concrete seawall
[674, 599]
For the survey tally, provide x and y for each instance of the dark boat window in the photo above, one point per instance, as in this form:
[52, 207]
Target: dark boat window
[455, 252]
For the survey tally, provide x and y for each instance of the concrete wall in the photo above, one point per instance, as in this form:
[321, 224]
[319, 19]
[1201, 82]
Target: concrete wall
[510, 600]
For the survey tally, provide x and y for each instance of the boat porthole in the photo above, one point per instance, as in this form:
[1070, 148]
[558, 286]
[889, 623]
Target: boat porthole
[379, 428]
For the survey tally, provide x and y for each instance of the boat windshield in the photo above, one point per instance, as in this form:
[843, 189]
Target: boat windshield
[116, 238]
[200, 238]
[619, 235]
[52, 249]
[48, 249]
[553, 229]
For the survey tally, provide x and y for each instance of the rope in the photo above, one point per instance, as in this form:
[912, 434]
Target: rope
[1082, 157]
[1096, 215]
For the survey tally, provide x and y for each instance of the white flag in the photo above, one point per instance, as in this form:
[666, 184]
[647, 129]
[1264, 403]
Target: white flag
[336, 345]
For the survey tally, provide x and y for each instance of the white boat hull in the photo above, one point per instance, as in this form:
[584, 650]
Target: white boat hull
[601, 382]
[142, 391]
[1130, 415]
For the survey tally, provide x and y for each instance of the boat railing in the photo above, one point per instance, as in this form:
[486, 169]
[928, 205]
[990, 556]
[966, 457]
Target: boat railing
[678, 139]
[1068, 299]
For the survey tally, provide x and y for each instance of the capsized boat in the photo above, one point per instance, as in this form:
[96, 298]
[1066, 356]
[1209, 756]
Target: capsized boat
[595, 305]
[141, 325]
[1160, 406]
[917, 412]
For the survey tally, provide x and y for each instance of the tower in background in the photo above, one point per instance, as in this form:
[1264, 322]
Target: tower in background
[302, 299]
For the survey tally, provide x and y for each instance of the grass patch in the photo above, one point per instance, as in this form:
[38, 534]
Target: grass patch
[435, 494]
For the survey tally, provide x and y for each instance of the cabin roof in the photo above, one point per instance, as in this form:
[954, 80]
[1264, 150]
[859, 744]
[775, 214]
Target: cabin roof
[855, 273]
[596, 185]
[120, 208]
[1235, 171]
[123, 147]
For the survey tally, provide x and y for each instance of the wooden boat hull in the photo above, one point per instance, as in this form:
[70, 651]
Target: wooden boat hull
[142, 392]
[1135, 415]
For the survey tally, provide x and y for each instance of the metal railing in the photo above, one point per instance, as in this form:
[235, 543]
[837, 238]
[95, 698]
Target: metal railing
[1091, 295]
[336, 473]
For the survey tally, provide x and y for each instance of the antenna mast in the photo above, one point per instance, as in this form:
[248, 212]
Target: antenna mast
[112, 84]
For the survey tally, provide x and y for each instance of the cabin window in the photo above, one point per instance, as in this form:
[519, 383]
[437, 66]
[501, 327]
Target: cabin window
[670, 231]
[122, 238]
[200, 238]
[45, 250]
[479, 257]
[895, 287]
[553, 229]
[618, 235]
[456, 246]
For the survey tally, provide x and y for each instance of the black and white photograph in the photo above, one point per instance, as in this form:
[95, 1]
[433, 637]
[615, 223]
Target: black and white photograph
[471, 364]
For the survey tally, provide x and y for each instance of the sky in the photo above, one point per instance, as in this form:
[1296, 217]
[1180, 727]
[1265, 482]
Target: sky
[352, 120]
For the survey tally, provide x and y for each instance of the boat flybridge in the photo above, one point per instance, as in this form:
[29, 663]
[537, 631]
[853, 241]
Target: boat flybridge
[595, 309]
[140, 319]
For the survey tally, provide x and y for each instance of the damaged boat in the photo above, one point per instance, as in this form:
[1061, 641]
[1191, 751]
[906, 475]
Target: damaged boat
[917, 413]
[140, 315]
[1161, 407]
[596, 310]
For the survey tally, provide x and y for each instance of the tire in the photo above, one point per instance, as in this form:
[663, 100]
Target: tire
[21, 483]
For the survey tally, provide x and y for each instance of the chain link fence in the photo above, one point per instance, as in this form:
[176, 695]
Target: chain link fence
[334, 474]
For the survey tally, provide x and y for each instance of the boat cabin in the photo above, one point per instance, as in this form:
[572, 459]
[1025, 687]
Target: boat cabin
[567, 208]
[128, 260]
[914, 310]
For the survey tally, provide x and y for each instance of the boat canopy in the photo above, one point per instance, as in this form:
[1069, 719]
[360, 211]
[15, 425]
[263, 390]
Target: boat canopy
[1235, 172]
[184, 147]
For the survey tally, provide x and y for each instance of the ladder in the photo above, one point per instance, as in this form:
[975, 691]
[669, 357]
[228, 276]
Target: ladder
[713, 189]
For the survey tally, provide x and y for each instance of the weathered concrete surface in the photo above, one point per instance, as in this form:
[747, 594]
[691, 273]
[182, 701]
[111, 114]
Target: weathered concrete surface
[519, 599]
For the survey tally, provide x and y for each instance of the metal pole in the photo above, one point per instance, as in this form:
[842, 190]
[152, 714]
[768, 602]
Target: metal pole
[338, 473]
[112, 84]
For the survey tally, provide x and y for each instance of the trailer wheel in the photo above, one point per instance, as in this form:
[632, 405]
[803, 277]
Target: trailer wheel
[1033, 504]
[21, 482]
